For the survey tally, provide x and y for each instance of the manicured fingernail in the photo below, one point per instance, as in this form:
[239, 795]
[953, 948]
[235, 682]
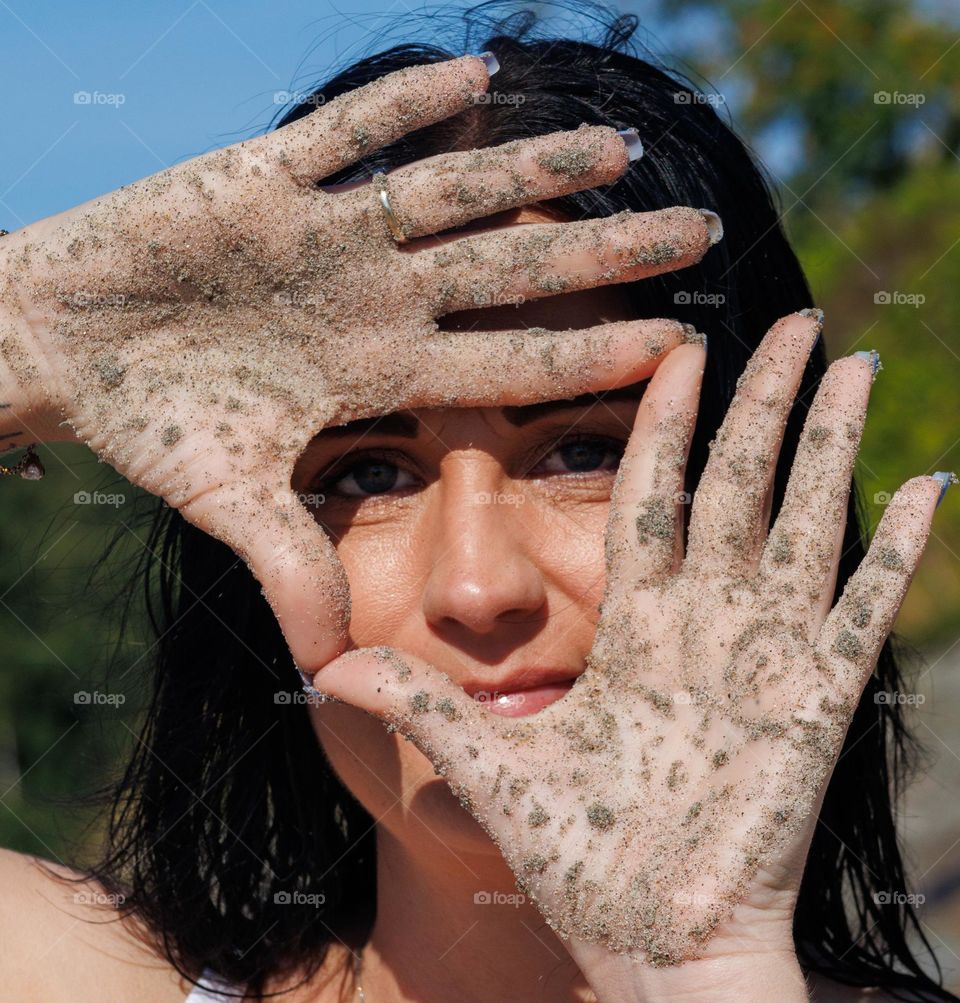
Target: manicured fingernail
[633, 143]
[691, 336]
[817, 314]
[490, 61]
[714, 226]
[946, 478]
[873, 357]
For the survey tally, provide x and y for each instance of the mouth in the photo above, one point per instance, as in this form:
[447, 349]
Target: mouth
[511, 699]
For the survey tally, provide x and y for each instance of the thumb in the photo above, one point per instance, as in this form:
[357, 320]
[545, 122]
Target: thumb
[467, 744]
[265, 524]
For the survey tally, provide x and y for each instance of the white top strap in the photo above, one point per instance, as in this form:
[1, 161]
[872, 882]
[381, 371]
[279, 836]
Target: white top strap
[212, 988]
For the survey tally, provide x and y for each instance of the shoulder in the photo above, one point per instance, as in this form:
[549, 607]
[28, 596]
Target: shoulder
[64, 940]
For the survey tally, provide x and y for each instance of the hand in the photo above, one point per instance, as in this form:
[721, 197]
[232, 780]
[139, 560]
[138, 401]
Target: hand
[198, 328]
[660, 813]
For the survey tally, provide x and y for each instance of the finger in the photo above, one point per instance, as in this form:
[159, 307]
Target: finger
[303, 580]
[464, 741]
[804, 545]
[726, 530]
[849, 642]
[533, 260]
[495, 368]
[375, 115]
[643, 540]
[453, 188]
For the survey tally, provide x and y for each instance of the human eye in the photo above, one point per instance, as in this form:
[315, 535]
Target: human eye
[366, 476]
[579, 454]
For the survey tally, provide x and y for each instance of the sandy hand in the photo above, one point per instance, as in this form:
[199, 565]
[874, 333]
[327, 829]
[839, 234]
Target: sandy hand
[675, 781]
[197, 328]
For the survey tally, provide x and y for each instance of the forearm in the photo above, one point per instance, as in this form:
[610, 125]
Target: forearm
[29, 410]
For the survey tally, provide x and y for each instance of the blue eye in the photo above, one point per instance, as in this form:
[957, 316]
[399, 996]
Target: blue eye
[372, 477]
[581, 456]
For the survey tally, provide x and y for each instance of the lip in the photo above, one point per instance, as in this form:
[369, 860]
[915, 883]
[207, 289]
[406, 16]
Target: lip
[523, 692]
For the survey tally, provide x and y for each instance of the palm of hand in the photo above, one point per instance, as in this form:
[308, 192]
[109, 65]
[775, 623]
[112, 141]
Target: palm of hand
[675, 780]
[202, 325]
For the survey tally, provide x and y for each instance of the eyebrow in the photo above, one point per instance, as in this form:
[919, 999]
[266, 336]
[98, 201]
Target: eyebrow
[404, 425]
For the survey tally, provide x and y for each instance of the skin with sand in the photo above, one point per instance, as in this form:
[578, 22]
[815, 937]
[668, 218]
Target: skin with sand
[669, 796]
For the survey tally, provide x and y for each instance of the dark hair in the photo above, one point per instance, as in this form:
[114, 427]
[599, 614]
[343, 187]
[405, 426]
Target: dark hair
[228, 801]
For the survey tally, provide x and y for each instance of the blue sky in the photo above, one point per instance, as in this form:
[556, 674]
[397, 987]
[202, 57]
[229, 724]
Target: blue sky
[167, 81]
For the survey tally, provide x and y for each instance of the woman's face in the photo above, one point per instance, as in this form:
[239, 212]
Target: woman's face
[472, 538]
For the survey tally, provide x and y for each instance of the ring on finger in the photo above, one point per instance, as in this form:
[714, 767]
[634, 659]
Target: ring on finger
[396, 230]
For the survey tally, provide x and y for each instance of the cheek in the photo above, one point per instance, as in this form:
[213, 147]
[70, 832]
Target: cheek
[382, 565]
[570, 553]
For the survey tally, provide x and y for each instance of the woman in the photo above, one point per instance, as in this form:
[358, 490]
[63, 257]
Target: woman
[297, 843]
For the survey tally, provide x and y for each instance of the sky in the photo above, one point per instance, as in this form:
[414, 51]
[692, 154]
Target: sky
[101, 94]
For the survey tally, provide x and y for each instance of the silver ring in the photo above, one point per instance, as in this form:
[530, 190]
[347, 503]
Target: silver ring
[396, 230]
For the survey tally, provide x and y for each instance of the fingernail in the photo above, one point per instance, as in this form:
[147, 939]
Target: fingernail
[691, 336]
[946, 478]
[633, 143]
[817, 314]
[873, 357]
[714, 226]
[490, 61]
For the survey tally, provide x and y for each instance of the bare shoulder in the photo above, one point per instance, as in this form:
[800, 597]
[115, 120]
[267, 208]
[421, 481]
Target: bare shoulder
[64, 940]
[824, 990]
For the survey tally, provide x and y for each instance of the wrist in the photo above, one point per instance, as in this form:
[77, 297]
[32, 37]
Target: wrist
[737, 978]
[29, 406]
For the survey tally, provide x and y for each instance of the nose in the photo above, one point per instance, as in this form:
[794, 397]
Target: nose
[481, 576]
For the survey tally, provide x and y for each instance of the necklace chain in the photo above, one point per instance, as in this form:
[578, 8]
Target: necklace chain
[357, 966]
